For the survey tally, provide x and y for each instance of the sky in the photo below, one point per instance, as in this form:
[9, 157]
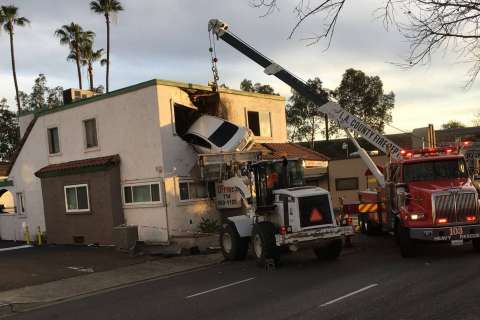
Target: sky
[168, 39]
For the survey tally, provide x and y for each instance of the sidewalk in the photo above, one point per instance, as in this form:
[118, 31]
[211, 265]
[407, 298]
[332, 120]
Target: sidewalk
[33, 296]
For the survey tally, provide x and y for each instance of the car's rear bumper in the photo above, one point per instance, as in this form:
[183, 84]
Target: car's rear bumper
[313, 235]
[464, 232]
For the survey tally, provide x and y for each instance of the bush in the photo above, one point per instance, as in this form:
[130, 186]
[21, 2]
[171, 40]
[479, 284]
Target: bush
[209, 226]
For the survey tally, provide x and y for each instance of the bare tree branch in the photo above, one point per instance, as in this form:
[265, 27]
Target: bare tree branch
[430, 26]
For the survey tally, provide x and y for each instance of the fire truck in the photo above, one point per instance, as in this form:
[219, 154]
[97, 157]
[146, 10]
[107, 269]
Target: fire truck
[424, 195]
[428, 196]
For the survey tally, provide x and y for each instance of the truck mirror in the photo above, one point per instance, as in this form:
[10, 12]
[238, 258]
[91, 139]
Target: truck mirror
[401, 199]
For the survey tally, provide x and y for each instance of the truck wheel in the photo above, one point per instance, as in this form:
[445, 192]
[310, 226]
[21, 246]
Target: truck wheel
[233, 247]
[476, 244]
[407, 245]
[331, 251]
[263, 243]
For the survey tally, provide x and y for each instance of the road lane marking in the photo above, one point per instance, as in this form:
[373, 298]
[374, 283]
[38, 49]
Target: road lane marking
[349, 294]
[219, 288]
[15, 248]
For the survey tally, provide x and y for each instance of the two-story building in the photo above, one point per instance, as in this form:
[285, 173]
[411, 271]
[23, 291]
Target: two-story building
[118, 158]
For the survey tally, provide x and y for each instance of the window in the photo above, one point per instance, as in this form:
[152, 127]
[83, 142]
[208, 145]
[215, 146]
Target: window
[223, 134]
[189, 190]
[435, 170]
[259, 123]
[371, 182]
[76, 198]
[53, 141]
[142, 193]
[346, 184]
[90, 126]
[194, 139]
[20, 203]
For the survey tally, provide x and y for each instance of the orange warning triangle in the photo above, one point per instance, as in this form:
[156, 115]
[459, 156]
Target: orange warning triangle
[315, 215]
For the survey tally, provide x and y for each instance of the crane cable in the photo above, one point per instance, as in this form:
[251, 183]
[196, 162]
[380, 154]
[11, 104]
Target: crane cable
[213, 55]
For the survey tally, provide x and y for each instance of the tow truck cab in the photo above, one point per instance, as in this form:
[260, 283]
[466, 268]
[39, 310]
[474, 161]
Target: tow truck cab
[432, 197]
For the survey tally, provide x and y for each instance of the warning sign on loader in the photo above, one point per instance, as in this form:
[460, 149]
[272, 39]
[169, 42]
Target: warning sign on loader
[227, 197]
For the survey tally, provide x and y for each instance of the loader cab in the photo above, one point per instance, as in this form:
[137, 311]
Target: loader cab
[277, 174]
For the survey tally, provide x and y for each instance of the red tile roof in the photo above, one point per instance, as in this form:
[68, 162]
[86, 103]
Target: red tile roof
[279, 150]
[79, 164]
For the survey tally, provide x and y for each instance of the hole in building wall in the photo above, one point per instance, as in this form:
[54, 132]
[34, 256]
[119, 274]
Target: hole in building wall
[184, 118]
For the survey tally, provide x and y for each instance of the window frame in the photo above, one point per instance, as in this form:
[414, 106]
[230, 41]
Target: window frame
[20, 203]
[137, 184]
[347, 189]
[85, 138]
[49, 141]
[75, 186]
[259, 112]
[189, 182]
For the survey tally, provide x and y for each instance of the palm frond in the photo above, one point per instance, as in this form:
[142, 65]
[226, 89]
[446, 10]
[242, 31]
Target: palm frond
[115, 6]
[22, 21]
[9, 12]
[96, 7]
[105, 6]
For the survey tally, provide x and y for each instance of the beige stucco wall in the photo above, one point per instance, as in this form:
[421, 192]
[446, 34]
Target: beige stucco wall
[349, 168]
[238, 105]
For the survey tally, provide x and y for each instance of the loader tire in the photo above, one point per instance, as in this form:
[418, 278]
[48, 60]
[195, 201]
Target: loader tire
[264, 245]
[331, 251]
[233, 246]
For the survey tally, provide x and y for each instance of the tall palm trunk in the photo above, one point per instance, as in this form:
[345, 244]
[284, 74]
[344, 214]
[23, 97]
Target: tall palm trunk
[79, 71]
[107, 18]
[12, 53]
[90, 75]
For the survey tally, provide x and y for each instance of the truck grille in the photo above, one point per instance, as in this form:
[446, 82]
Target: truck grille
[455, 206]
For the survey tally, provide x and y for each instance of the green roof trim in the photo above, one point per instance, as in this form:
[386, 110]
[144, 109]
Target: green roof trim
[6, 183]
[138, 86]
[186, 85]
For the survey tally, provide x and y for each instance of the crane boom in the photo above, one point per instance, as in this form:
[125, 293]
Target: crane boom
[333, 110]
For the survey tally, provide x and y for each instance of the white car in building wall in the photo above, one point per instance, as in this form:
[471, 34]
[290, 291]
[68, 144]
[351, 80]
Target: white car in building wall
[209, 134]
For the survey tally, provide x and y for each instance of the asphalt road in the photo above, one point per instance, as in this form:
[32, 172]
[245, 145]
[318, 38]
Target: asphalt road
[370, 281]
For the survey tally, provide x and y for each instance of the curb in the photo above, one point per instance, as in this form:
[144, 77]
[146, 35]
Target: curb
[10, 309]
[5, 309]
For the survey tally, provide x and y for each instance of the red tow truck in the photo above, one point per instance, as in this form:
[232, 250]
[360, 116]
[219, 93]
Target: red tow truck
[428, 196]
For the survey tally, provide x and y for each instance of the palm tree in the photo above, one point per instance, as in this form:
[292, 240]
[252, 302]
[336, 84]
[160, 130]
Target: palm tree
[74, 36]
[9, 19]
[106, 7]
[88, 57]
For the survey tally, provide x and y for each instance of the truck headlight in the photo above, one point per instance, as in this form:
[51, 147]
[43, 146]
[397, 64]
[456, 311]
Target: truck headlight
[417, 216]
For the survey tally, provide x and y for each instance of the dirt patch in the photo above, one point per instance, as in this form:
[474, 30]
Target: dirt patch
[25, 267]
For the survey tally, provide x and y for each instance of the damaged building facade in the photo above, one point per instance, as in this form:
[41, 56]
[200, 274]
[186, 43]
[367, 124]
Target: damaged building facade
[119, 158]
